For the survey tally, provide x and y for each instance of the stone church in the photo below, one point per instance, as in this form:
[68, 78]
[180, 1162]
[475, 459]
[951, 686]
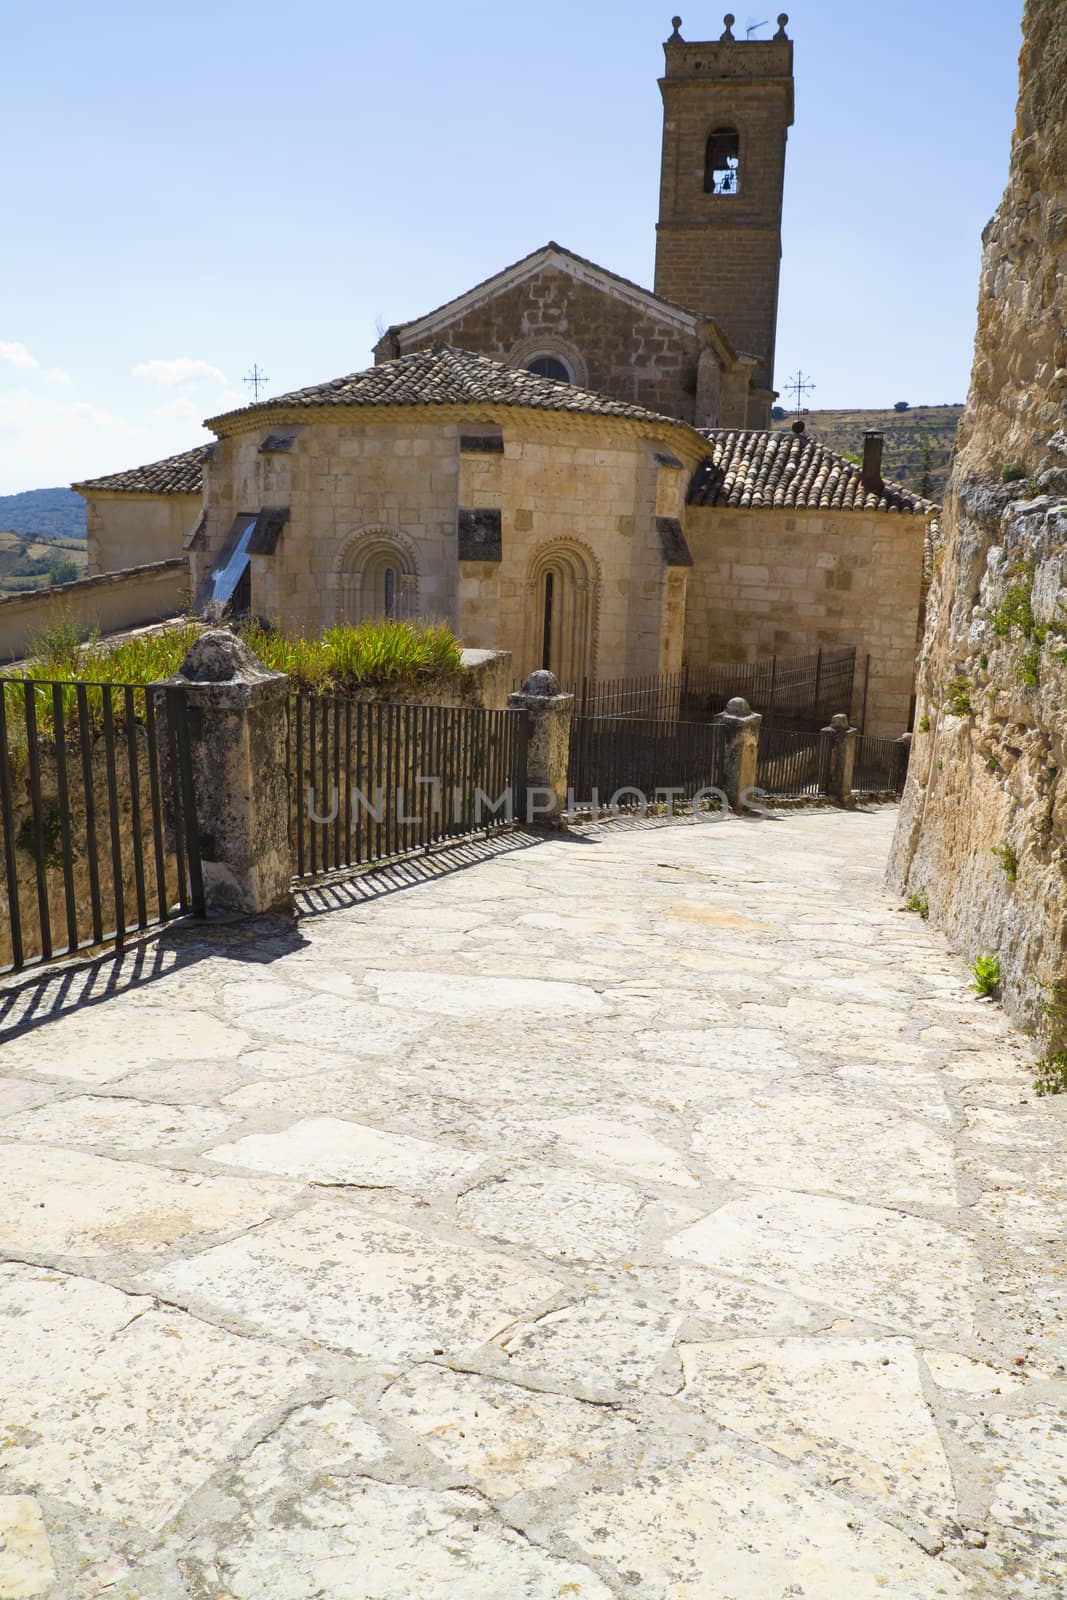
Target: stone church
[564, 464]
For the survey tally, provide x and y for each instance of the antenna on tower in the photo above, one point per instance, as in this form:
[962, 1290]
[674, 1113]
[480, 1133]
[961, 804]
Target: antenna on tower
[754, 27]
[256, 380]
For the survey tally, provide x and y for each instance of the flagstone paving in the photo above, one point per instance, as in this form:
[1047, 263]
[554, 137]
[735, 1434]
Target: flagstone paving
[652, 1213]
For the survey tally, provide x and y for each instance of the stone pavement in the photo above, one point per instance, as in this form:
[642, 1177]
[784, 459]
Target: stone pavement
[651, 1214]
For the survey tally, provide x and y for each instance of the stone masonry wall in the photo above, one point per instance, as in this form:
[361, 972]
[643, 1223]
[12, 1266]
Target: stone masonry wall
[767, 583]
[989, 768]
[127, 530]
[635, 357]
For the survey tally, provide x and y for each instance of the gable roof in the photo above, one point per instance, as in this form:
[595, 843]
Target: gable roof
[449, 377]
[564, 260]
[183, 474]
[757, 468]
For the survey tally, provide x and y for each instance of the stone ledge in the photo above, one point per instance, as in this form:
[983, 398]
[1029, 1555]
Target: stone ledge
[99, 581]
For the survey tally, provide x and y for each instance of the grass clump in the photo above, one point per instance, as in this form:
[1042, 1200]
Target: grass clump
[958, 696]
[1028, 667]
[1051, 1075]
[1009, 861]
[918, 903]
[1011, 472]
[344, 659]
[986, 973]
[924, 722]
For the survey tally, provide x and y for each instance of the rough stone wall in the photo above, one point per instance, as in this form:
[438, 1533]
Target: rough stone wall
[991, 747]
[781, 583]
[632, 356]
[109, 602]
[128, 530]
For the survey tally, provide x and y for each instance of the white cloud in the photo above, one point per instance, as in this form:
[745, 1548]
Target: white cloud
[83, 411]
[180, 408]
[57, 375]
[229, 400]
[183, 369]
[48, 440]
[14, 351]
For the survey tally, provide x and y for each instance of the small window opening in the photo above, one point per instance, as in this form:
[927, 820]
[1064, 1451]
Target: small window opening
[550, 367]
[546, 633]
[722, 166]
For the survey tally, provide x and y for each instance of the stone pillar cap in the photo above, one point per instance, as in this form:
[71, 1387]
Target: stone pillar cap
[839, 724]
[738, 707]
[541, 684]
[219, 656]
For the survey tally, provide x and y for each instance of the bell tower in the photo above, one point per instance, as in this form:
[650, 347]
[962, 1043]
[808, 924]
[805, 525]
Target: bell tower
[727, 111]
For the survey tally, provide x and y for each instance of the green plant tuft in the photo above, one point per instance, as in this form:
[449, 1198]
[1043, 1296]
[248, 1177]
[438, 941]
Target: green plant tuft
[918, 903]
[986, 973]
[924, 722]
[1011, 473]
[1051, 1075]
[1009, 861]
[958, 696]
[1028, 667]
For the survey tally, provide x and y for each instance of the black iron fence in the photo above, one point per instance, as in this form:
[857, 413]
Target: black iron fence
[97, 817]
[790, 764]
[626, 763]
[793, 691]
[881, 765]
[373, 782]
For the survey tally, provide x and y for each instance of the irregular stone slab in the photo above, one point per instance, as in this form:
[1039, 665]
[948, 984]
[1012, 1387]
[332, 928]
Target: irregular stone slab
[183, 1082]
[18, 1094]
[170, 1397]
[899, 1270]
[329, 1436]
[746, 1050]
[563, 1214]
[109, 1121]
[966, 1375]
[607, 1345]
[822, 1143]
[748, 1307]
[852, 1408]
[26, 1566]
[105, 1042]
[327, 1150]
[354, 1539]
[483, 996]
[626, 1148]
[503, 1439]
[355, 1029]
[259, 994]
[721, 1526]
[69, 1203]
[340, 1276]
[1026, 1458]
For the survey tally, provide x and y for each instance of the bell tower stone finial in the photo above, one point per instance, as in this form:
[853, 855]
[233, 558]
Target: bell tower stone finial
[727, 111]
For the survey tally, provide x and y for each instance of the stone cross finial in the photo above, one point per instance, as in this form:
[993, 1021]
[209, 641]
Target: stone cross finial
[727, 33]
[782, 20]
[676, 23]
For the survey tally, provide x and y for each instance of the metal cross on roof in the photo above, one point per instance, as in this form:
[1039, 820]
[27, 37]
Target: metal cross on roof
[256, 380]
[798, 386]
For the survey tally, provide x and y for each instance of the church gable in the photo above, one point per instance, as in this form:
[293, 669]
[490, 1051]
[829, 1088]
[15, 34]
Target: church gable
[569, 319]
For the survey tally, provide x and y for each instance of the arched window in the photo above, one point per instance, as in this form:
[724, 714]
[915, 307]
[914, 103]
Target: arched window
[563, 609]
[550, 367]
[377, 578]
[722, 163]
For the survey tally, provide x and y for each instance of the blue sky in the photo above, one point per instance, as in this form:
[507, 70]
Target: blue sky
[189, 189]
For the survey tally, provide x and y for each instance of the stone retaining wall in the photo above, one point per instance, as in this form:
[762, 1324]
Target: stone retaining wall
[109, 602]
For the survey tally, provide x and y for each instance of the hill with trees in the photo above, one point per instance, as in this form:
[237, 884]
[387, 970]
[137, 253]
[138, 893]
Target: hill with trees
[918, 440]
[47, 513]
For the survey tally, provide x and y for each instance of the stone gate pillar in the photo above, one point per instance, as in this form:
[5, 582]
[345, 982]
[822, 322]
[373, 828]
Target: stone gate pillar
[741, 727]
[548, 742]
[237, 717]
[837, 759]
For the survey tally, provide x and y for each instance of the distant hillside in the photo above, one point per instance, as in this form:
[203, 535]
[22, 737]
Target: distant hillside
[29, 563]
[905, 435]
[54, 513]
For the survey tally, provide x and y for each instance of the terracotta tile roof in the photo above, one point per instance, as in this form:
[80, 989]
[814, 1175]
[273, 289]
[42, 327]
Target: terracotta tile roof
[754, 468]
[449, 377]
[182, 474]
